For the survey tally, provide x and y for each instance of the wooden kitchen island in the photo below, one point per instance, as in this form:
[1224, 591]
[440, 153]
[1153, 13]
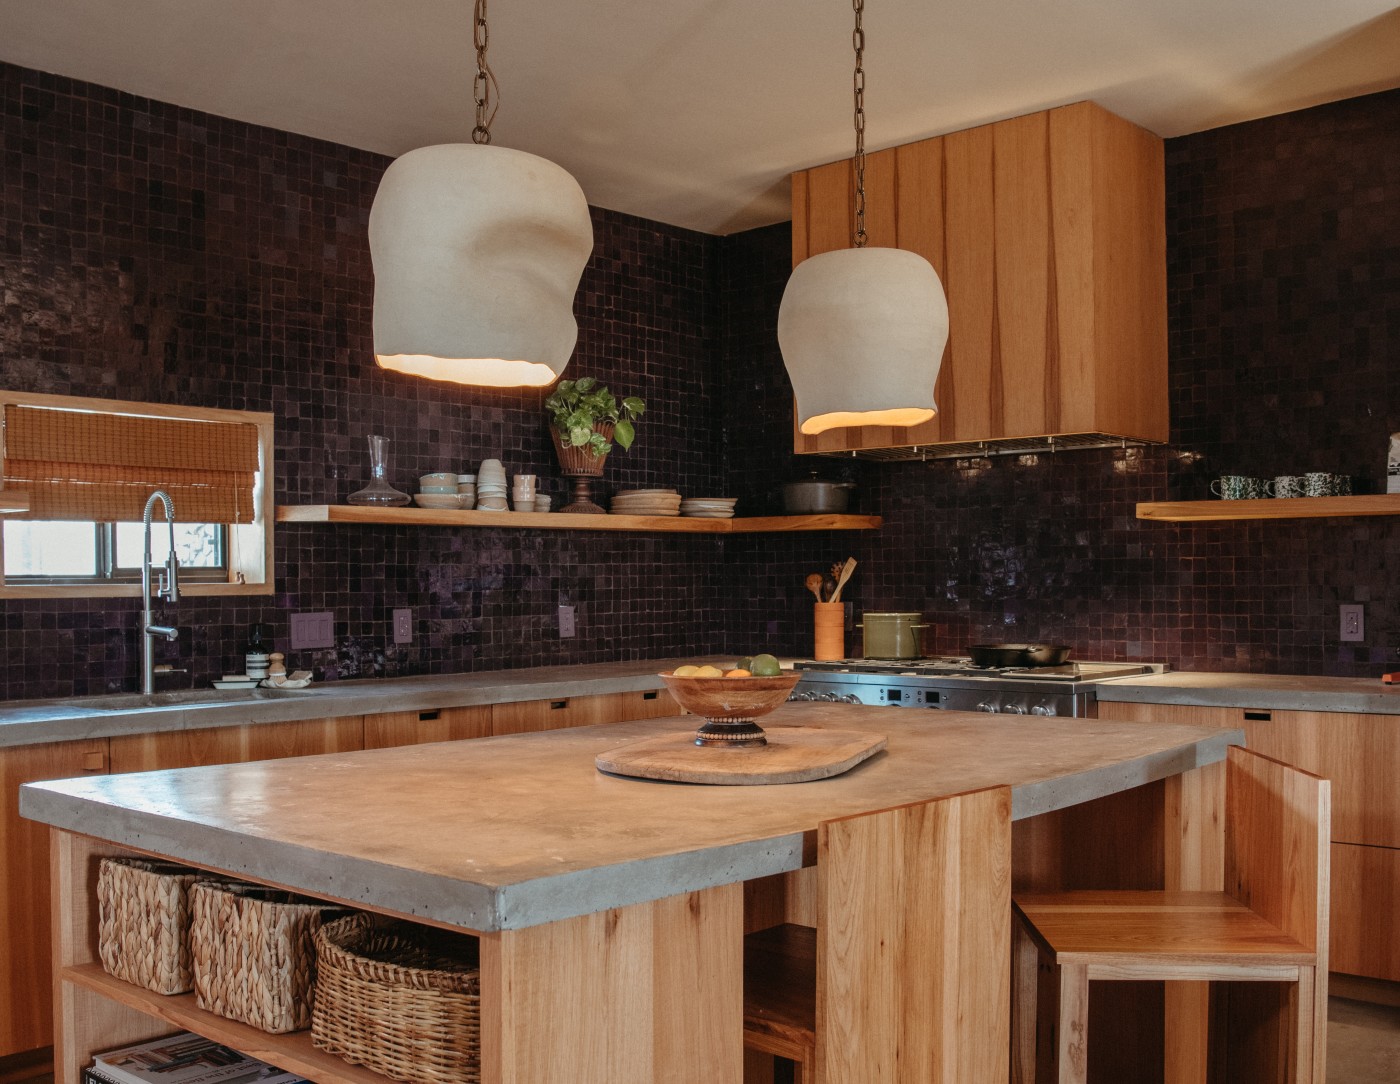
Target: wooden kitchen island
[610, 910]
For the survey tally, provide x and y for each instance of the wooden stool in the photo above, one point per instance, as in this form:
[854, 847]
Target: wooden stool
[905, 978]
[1269, 926]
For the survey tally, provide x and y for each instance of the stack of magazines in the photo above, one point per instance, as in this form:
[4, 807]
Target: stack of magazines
[184, 1058]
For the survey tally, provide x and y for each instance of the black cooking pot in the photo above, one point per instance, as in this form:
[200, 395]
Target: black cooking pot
[1018, 654]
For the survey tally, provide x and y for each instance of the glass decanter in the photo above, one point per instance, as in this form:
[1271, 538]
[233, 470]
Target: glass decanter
[379, 491]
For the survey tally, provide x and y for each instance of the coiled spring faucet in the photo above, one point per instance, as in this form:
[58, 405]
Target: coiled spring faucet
[169, 590]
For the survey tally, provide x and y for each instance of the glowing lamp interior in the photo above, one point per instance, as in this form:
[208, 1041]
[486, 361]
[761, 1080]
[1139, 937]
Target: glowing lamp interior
[900, 416]
[484, 372]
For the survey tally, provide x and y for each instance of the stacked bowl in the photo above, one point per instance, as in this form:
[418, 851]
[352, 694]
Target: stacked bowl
[491, 487]
[708, 507]
[646, 502]
[437, 490]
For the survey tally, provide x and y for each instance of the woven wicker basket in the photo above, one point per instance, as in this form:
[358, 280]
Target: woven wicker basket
[400, 999]
[582, 461]
[254, 953]
[143, 922]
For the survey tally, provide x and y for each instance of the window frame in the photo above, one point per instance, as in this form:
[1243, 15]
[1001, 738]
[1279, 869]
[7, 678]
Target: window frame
[249, 545]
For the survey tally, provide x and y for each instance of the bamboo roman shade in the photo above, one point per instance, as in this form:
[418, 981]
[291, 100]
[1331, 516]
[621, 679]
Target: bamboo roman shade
[88, 465]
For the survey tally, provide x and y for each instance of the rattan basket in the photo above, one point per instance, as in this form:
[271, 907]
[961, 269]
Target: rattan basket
[253, 953]
[143, 922]
[400, 999]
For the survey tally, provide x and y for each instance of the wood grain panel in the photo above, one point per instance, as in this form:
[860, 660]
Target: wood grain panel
[1366, 911]
[627, 996]
[1369, 504]
[417, 727]
[1070, 153]
[1024, 302]
[925, 891]
[971, 284]
[1130, 261]
[829, 207]
[919, 218]
[800, 205]
[26, 1021]
[235, 744]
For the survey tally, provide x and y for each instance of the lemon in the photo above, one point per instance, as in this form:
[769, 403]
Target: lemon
[765, 666]
[684, 671]
[708, 671]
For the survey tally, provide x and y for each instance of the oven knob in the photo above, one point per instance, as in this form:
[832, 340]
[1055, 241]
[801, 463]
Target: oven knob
[1043, 709]
[1013, 709]
[850, 698]
[831, 697]
[987, 706]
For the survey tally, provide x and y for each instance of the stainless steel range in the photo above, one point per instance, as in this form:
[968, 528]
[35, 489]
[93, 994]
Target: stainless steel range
[952, 683]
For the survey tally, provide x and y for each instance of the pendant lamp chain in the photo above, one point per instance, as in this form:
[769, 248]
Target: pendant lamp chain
[858, 86]
[485, 91]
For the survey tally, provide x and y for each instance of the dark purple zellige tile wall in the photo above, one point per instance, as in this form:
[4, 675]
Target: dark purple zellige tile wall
[1284, 266]
[158, 254]
[149, 252]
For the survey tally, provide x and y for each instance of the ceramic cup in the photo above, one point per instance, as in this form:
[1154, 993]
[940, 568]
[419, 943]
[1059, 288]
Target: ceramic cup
[1289, 485]
[438, 478]
[524, 483]
[542, 502]
[1321, 484]
[1239, 487]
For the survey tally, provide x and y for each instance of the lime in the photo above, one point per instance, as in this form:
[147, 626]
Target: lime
[746, 663]
[765, 666]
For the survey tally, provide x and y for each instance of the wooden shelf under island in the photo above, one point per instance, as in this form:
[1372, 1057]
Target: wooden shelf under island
[568, 521]
[1373, 504]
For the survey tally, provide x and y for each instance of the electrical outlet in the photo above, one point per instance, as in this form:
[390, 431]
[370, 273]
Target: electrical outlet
[1353, 622]
[566, 622]
[403, 626]
[312, 631]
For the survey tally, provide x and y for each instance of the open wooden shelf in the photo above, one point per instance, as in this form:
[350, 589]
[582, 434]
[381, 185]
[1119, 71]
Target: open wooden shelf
[567, 521]
[292, 1051]
[1374, 504]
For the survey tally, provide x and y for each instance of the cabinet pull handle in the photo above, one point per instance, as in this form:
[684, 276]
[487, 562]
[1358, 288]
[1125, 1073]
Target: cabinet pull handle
[1258, 716]
[94, 762]
[428, 716]
[650, 695]
[556, 705]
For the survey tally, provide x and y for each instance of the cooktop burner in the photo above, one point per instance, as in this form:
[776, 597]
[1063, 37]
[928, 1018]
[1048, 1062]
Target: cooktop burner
[960, 666]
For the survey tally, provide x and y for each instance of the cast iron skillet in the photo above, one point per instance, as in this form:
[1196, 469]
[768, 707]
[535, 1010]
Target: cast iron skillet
[1018, 654]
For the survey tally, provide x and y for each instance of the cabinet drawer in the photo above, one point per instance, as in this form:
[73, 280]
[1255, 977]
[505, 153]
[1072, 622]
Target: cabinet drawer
[1366, 911]
[534, 715]
[435, 724]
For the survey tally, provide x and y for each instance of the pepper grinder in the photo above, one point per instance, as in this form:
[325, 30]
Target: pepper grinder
[276, 666]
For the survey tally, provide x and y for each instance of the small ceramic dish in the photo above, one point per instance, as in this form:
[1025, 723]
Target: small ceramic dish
[237, 683]
[437, 500]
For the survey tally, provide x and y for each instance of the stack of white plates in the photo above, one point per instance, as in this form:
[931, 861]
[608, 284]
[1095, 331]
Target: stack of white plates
[709, 507]
[646, 502]
[491, 488]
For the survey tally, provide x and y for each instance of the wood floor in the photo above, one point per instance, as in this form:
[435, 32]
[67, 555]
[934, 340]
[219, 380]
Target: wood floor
[1363, 1044]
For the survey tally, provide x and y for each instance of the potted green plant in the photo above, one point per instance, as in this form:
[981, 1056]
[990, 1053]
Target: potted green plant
[586, 419]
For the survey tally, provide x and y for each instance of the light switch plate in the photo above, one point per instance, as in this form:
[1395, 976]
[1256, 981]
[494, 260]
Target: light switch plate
[566, 623]
[312, 630]
[1353, 627]
[403, 626]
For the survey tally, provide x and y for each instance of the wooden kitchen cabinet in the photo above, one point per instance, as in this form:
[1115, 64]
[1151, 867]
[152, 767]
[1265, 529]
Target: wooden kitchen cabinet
[26, 1022]
[1358, 753]
[536, 715]
[429, 725]
[1048, 232]
[235, 744]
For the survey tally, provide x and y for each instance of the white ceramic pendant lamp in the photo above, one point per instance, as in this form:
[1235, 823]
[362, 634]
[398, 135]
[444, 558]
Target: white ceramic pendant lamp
[477, 252]
[862, 330]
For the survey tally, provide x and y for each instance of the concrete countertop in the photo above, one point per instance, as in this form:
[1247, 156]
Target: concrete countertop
[515, 831]
[28, 722]
[1277, 692]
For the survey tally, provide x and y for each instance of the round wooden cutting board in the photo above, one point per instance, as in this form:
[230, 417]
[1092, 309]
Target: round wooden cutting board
[794, 754]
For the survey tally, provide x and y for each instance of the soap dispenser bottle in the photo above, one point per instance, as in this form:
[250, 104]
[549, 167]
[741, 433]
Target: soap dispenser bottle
[259, 650]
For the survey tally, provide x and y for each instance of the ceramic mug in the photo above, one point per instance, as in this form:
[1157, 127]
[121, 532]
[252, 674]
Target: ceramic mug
[1289, 485]
[1239, 487]
[1321, 484]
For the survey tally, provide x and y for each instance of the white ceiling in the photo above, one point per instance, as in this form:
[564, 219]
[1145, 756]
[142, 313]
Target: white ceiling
[694, 111]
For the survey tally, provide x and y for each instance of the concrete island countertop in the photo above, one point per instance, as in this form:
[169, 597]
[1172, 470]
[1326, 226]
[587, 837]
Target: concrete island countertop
[29, 722]
[1276, 692]
[516, 831]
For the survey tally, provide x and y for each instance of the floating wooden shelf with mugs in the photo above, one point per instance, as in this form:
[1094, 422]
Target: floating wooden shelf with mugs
[1373, 504]
[433, 517]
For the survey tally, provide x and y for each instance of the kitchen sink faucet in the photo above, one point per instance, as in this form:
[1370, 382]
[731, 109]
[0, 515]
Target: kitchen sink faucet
[169, 590]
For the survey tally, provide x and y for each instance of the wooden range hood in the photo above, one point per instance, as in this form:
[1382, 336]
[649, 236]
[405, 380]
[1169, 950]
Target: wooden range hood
[1048, 232]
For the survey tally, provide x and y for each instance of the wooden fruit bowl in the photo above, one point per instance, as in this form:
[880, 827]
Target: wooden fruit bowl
[730, 705]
